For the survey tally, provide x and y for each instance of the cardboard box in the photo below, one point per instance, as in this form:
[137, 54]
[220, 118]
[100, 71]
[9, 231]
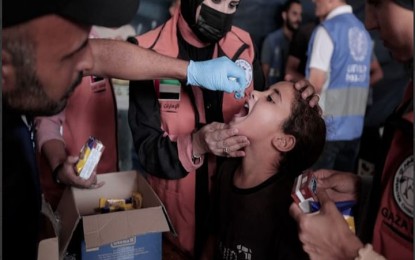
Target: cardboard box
[48, 245]
[103, 233]
[48, 248]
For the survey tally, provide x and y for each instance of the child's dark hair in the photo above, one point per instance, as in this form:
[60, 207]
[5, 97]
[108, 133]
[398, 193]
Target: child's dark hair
[309, 130]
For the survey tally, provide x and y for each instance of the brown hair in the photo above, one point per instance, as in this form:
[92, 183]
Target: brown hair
[309, 129]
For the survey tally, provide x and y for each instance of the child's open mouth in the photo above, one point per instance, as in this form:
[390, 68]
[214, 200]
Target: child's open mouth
[242, 113]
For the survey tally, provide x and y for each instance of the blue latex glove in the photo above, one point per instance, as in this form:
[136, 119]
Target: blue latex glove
[217, 74]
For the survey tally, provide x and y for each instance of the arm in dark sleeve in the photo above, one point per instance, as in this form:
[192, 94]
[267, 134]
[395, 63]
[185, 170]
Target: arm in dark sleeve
[157, 154]
[210, 246]
[258, 74]
[299, 42]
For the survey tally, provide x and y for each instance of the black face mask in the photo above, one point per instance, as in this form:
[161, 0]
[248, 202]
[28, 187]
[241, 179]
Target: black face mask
[212, 25]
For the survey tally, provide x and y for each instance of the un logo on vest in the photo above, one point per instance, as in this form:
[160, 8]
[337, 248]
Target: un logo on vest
[403, 189]
[358, 43]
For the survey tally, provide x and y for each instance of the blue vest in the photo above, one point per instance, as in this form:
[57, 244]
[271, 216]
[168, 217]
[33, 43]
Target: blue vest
[346, 94]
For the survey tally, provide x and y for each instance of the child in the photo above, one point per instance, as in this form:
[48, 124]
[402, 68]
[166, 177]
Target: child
[252, 195]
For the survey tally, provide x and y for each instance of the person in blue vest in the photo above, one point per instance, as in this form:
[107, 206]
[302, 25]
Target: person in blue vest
[338, 67]
[386, 230]
[45, 51]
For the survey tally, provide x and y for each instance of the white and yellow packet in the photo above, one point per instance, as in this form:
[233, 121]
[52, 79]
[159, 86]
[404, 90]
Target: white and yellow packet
[89, 157]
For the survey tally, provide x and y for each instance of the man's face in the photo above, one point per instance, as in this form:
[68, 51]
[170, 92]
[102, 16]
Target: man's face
[293, 17]
[48, 62]
[323, 8]
[395, 25]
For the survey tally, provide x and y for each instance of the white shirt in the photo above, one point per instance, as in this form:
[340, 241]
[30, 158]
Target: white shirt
[323, 45]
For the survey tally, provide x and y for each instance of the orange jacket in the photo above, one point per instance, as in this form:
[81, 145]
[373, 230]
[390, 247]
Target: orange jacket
[393, 231]
[91, 111]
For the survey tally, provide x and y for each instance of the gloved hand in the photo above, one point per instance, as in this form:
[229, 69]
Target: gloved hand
[217, 74]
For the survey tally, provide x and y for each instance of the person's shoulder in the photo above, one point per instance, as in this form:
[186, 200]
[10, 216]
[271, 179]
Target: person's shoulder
[274, 36]
[279, 35]
[237, 35]
[149, 36]
[239, 31]
[276, 33]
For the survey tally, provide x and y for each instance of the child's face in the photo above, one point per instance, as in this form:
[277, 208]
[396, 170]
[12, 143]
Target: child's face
[265, 112]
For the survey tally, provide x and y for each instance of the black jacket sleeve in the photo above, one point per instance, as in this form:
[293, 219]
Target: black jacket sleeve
[258, 74]
[158, 155]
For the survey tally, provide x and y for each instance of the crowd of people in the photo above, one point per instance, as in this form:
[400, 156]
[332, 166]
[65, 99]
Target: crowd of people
[221, 128]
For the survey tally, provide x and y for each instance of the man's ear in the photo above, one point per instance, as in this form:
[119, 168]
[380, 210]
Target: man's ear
[8, 75]
[284, 144]
[284, 16]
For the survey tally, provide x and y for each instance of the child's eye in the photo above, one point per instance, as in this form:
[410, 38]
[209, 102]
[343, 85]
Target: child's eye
[269, 99]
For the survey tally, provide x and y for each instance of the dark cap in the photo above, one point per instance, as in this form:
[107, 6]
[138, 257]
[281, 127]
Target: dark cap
[108, 13]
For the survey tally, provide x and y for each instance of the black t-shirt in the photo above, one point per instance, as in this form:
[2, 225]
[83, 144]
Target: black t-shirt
[299, 44]
[254, 223]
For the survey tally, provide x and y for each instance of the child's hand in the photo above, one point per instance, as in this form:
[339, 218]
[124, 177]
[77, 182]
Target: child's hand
[66, 175]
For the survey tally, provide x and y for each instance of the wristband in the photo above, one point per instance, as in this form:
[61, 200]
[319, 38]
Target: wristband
[55, 173]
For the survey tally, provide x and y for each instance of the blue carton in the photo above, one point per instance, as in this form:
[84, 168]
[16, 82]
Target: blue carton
[141, 247]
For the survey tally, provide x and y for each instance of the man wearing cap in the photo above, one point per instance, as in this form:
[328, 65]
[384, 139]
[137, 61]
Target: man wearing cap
[45, 52]
[387, 229]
